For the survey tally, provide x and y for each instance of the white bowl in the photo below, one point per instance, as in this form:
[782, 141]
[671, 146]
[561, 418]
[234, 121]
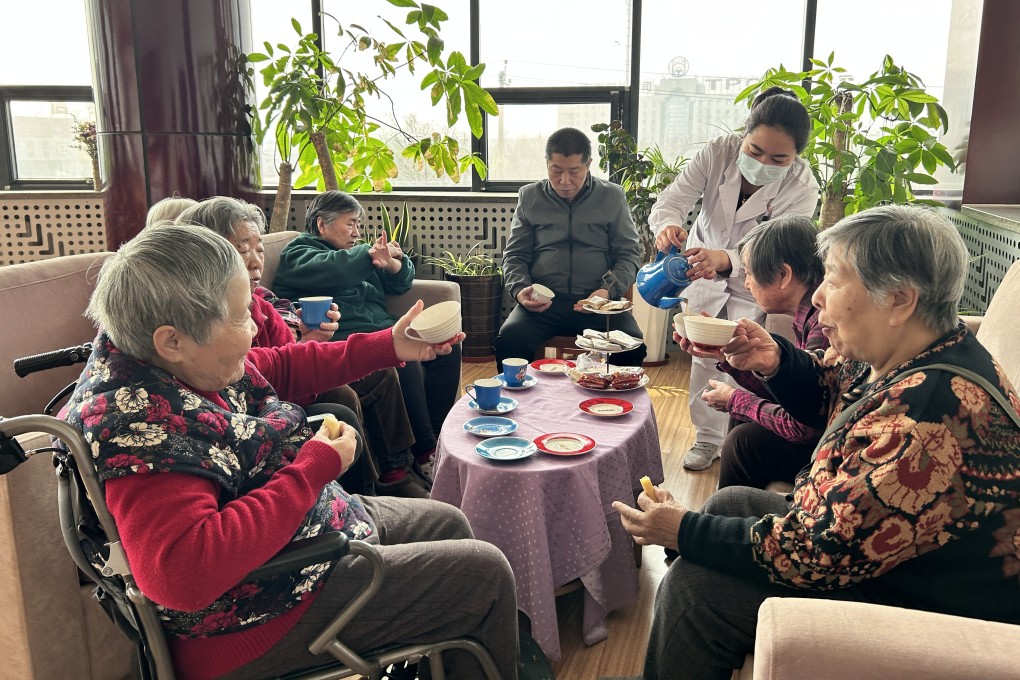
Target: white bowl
[437, 323]
[541, 293]
[707, 332]
[678, 325]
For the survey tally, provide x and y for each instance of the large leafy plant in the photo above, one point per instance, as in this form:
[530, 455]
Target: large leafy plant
[315, 108]
[870, 141]
[472, 264]
[642, 173]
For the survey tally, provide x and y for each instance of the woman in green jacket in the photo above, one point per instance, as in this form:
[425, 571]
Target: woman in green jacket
[329, 260]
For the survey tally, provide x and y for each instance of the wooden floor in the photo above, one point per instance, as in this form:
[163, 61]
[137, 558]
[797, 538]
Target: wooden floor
[623, 653]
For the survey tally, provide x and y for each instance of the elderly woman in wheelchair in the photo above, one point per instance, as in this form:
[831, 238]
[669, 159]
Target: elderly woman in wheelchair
[208, 475]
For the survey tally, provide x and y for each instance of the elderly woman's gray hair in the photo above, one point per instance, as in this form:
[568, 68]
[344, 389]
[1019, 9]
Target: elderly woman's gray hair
[788, 239]
[170, 276]
[222, 214]
[895, 247]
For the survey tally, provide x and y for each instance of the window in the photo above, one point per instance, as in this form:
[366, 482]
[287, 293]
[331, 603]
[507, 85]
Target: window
[697, 56]
[44, 147]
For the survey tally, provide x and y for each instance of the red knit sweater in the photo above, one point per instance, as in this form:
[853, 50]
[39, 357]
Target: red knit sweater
[185, 549]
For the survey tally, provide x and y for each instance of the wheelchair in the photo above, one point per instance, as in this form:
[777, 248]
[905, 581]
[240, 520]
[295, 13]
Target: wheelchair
[91, 537]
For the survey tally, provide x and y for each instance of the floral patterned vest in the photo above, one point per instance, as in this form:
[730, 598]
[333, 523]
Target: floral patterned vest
[139, 419]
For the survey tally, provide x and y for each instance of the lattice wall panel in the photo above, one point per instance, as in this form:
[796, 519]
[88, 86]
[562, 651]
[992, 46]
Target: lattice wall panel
[996, 250]
[43, 227]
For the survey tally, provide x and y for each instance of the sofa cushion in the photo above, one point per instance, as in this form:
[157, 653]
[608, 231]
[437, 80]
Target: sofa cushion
[1001, 325]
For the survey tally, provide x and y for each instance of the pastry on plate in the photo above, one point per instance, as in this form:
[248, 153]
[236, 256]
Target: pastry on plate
[593, 302]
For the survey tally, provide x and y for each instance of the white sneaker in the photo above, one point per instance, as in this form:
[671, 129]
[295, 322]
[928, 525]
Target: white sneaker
[700, 456]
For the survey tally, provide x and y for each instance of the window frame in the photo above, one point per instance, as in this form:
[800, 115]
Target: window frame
[9, 180]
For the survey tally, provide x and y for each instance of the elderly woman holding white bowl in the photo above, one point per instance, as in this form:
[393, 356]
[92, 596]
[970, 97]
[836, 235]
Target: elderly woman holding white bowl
[913, 495]
[208, 474]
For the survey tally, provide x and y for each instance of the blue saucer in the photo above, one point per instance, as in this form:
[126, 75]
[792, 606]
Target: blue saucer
[506, 404]
[490, 426]
[506, 448]
[529, 381]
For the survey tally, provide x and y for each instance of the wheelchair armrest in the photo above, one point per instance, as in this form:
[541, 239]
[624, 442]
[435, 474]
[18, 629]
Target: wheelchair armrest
[322, 548]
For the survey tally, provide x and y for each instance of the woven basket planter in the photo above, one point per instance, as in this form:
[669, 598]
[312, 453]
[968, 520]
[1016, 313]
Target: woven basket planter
[481, 304]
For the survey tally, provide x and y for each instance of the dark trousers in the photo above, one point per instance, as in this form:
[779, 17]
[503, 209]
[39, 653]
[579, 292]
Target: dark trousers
[524, 332]
[430, 389]
[753, 456]
[359, 477]
[387, 423]
[704, 620]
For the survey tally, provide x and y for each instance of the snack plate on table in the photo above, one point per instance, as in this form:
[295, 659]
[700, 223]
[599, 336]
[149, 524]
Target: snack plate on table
[605, 407]
[506, 404]
[552, 366]
[490, 426]
[564, 444]
[579, 378]
[506, 448]
[529, 382]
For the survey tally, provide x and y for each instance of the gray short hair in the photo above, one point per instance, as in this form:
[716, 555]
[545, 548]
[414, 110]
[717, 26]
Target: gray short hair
[222, 214]
[787, 239]
[170, 276]
[896, 246]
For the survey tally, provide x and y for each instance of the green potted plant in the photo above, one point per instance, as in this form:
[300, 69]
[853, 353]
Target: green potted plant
[319, 105]
[871, 141]
[481, 294]
[642, 174]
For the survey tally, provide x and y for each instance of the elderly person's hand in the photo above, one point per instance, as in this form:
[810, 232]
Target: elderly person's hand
[672, 235]
[706, 263]
[524, 297]
[396, 252]
[325, 331]
[656, 523]
[416, 350]
[601, 292]
[752, 349]
[717, 395]
[381, 257]
[346, 444]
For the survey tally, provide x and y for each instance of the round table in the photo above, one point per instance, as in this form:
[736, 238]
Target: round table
[551, 515]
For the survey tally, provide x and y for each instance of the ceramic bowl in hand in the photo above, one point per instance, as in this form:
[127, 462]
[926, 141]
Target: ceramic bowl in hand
[708, 333]
[436, 324]
[540, 293]
[678, 325]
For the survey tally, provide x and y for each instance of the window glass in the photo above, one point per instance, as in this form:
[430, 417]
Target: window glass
[918, 38]
[516, 138]
[44, 146]
[697, 56]
[44, 43]
[555, 44]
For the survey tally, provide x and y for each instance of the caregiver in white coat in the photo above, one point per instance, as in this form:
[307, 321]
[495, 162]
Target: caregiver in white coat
[742, 180]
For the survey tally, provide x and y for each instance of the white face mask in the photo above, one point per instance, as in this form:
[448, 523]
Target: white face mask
[759, 174]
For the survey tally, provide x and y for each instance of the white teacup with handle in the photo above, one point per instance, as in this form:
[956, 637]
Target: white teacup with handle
[437, 324]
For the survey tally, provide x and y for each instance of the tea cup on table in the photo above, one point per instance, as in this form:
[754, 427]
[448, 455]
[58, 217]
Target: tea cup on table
[314, 308]
[486, 393]
[437, 324]
[515, 371]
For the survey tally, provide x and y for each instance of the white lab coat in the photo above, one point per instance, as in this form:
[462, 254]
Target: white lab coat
[713, 176]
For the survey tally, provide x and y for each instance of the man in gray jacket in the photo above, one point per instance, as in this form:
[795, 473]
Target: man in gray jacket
[574, 234]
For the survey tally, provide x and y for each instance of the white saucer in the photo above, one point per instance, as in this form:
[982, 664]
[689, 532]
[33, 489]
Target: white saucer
[529, 382]
[506, 404]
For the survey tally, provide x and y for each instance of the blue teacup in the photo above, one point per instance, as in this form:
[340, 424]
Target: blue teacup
[313, 310]
[660, 282]
[515, 371]
[486, 393]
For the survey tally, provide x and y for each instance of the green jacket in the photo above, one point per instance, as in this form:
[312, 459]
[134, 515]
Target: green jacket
[311, 266]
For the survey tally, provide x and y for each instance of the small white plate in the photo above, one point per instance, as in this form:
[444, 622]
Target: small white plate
[506, 404]
[529, 382]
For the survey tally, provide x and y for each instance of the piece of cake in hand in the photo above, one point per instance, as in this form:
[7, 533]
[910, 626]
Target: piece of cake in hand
[332, 425]
[646, 484]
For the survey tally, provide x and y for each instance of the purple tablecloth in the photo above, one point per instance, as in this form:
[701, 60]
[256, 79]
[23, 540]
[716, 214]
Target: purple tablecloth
[551, 515]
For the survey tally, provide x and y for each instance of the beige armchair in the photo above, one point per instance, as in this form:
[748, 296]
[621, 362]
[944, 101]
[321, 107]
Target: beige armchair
[813, 638]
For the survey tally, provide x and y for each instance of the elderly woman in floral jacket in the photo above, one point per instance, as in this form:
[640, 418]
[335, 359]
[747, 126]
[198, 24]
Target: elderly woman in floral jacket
[913, 495]
[208, 475]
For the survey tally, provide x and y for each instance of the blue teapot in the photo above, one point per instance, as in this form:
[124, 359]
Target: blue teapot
[660, 282]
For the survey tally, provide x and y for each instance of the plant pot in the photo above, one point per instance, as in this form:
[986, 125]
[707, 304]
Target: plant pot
[97, 181]
[481, 304]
